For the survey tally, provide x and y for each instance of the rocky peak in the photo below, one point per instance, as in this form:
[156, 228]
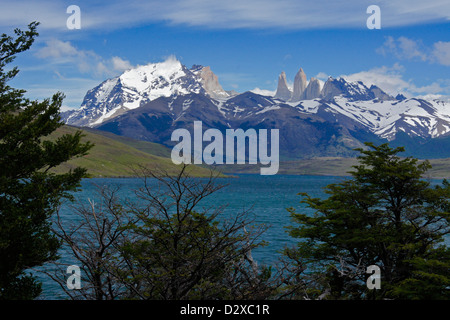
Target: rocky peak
[283, 91]
[330, 89]
[134, 88]
[351, 90]
[312, 91]
[400, 97]
[380, 94]
[299, 85]
[211, 84]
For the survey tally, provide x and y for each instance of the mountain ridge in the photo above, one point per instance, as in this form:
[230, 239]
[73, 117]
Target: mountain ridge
[149, 102]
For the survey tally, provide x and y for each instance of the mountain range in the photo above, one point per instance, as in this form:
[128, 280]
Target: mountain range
[314, 119]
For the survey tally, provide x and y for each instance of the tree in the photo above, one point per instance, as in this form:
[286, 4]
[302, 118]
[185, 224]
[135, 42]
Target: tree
[187, 251]
[165, 244]
[29, 191]
[93, 236]
[385, 215]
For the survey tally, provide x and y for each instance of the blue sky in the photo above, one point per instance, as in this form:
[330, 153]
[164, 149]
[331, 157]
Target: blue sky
[246, 43]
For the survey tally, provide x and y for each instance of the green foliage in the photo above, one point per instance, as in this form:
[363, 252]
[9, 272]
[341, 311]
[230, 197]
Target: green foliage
[181, 253]
[430, 278]
[164, 245]
[29, 194]
[180, 258]
[386, 215]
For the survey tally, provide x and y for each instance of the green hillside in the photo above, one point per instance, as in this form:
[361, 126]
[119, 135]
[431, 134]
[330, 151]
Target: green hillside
[145, 146]
[114, 156]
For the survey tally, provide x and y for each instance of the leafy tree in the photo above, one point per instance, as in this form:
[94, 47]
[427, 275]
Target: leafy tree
[184, 250]
[385, 215]
[29, 192]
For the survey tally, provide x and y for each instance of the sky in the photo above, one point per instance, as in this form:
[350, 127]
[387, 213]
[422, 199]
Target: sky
[247, 43]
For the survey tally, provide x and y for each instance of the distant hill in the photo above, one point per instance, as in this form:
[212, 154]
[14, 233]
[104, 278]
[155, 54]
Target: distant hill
[114, 156]
[330, 166]
[145, 146]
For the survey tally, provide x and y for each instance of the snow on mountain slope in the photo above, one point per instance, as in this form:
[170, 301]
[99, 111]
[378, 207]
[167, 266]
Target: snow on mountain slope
[416, 117]
[140, 85]
[340, 101]
[153, 81]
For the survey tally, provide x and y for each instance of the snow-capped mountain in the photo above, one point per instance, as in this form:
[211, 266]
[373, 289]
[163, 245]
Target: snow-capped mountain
[376, 110]
[315, 119]
[354, 91]
[415, 117]
[140, 85]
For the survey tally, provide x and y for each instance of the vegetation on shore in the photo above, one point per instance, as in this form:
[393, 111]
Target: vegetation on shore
[114, 156]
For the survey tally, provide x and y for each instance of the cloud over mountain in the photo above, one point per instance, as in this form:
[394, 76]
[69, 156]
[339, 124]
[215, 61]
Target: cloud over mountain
[392, 81]
[59, 52]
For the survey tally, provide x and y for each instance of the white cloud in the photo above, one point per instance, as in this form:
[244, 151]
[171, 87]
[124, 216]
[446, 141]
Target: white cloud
[59, 56]
[441, 52]
[120, 65]
[322, 76]
[50, 14]
[264, 92]
[297, 14]
[403, 48]
[441, 97]
[409, 49]
[226, 14]
[57, 49]
[390, 79]
[60, 53]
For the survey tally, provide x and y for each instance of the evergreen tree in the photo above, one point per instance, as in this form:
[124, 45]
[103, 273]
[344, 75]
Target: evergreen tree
[29, 192]
[385, 215]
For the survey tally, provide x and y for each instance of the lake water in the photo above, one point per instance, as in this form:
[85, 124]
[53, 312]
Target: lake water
[267, 196]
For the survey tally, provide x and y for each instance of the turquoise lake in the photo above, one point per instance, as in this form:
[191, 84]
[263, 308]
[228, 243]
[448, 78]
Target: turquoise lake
[268, 197]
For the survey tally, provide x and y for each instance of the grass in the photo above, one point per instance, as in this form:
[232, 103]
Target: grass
[111, 157]
[145, 146]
